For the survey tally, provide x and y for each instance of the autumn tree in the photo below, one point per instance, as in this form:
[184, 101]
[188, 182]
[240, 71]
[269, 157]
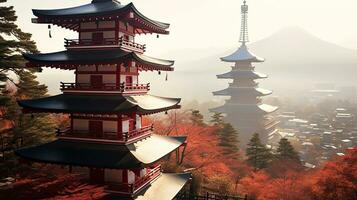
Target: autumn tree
[286, 151]
[258, 156]
[13, 43]
[337, 179]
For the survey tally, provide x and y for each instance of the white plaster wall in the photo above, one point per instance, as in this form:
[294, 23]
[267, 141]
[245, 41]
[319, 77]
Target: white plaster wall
[113, 175]
[138, 122]
[86, 35]
[86, 68]
[125, 126]
[109, 78]
[83, 78]
[143, 172]
[107, 68]
[106, 24]
[88, 25]
[131, 177]
[80, 124]
[110, 126]
[109, 34]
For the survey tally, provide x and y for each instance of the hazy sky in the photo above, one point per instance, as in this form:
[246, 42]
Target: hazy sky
[206, 25]
[212, 23]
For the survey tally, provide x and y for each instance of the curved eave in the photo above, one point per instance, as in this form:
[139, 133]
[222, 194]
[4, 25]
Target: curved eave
[72, 59]
[166, 187]
[231, 91]
[241, 74]
[112, 156]
[242, 55]
[100, 104]
[112, 9]
[245, 109]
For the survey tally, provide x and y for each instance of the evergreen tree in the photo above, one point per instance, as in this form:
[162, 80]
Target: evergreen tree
[34, 128]
[229, 138]
[286, 151]
[13, 43]
[197, 118]
[257, 154]
[217, 119]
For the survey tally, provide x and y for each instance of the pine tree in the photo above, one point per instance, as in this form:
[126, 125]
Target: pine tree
[34, 128]
[217, 119]
[286, 151]
[229, 138]
[257, 154]
[13, 43]
[197, 118]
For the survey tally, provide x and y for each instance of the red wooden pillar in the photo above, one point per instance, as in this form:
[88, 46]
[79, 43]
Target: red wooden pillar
[125, 176]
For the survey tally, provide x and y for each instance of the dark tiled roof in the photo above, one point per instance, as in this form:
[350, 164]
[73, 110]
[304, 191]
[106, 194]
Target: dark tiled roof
[109, 104]
[113, 156]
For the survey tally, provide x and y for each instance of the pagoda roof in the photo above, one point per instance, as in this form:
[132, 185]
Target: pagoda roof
[243, 91]
[103, 104]
[166, 186]
[248, 109]
[69, 59]
[113, 156]
[104, 9]
[242, 55]
[242, 74]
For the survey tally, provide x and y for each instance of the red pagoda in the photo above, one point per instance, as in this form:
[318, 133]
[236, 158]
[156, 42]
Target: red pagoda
[106, 140]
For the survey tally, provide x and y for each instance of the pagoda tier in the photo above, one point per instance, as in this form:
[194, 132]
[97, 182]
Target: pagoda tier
[242, 54]
[103, 10]
[246, 109]
[112, 156]
[72, 59]
[101, 104]
[242, 74]
[251, 91]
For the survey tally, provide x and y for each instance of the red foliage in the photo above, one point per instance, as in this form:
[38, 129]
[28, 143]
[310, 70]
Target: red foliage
[336, 180]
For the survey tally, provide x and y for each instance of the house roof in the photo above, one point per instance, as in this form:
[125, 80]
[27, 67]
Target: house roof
[108, 104]
[112, 156]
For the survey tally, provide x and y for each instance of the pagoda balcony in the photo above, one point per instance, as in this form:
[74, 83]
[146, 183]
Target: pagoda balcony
[106, 87]
[112, 137]
[106, 42]
[138, 185]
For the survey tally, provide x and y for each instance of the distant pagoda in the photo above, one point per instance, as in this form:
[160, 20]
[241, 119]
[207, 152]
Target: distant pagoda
[245, 110]
[105, 139]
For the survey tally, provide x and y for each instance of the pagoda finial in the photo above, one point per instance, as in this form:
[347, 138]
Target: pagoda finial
[244, 26]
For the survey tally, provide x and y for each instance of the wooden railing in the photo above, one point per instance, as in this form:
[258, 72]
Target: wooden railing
[121, 42]
[139, 183]
[138, 133]
[130, 88]
[112, 136]
[185, 194]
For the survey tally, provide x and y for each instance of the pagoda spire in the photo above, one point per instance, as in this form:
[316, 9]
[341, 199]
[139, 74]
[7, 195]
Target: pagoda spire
[244, 25]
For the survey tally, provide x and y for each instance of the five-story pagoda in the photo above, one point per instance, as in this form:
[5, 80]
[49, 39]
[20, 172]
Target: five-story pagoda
[245, 110]
[106, 103]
